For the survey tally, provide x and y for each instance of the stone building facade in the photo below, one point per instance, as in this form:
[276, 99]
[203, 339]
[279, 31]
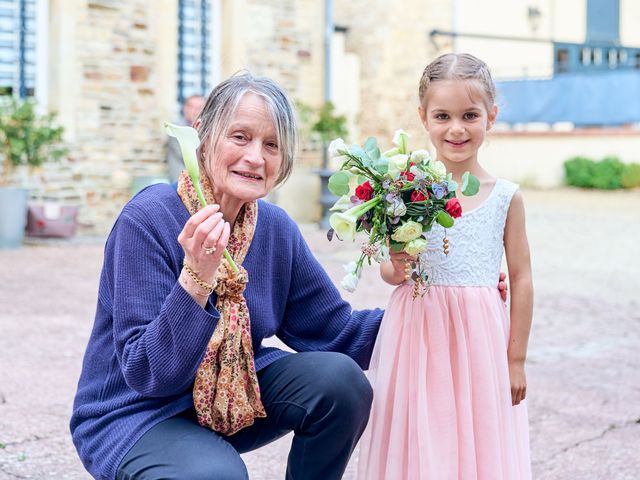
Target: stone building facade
[111, 77]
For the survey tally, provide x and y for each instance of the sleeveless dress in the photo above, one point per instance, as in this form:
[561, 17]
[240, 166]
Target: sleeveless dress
[442, 396]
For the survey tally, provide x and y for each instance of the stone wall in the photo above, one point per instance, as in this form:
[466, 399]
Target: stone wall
[106, 76]
[112, 76]
[392, 41]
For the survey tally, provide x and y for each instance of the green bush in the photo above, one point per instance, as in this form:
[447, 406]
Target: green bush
[631, 176]
[578, 172]
[607, 174]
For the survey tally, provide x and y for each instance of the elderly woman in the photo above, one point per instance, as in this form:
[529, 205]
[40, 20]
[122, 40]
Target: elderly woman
[175, 381]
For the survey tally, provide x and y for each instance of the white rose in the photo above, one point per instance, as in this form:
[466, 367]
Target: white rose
[350, 282]
[397, 164]
[408, 231]
[438, 168]
[416, 246]
[420, 156]
[337, 148]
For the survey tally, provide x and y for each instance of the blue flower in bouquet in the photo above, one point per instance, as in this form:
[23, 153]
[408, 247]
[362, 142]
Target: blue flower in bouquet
[440, 189]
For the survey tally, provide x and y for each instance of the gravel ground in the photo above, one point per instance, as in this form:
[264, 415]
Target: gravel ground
[584, 386]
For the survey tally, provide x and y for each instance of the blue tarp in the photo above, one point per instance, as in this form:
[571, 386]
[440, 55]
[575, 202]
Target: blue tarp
[595, 99]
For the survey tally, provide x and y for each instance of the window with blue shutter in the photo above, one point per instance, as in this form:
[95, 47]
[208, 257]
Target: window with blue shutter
[194, 48]
[603, 21]
[18, 47]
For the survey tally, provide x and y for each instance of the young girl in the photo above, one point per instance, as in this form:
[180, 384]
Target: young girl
[448, 368]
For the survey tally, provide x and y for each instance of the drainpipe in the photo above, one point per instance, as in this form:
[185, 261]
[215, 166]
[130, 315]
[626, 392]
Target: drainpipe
[327, 199]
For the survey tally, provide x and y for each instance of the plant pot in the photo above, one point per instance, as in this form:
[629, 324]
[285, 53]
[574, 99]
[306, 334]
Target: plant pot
[13, 216]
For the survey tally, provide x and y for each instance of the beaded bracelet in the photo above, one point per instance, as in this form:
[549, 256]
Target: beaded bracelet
[210, 287]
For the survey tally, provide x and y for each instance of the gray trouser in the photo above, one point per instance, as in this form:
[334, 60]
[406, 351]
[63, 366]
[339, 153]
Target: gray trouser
[323, 397]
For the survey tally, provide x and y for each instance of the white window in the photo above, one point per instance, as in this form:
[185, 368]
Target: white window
[196, 46]
[18, 47]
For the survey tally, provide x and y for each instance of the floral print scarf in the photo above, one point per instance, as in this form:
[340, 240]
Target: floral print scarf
[226, 393]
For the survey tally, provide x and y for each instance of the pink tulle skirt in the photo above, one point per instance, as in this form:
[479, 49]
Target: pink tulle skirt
[442, 397]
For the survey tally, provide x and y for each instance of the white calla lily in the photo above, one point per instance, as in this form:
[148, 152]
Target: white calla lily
[189, 142]
[342, 204]
[344, 223]
[401, 139]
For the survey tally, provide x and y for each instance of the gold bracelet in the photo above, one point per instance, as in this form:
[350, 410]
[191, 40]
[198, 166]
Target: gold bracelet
[185, 285]
[210, 287]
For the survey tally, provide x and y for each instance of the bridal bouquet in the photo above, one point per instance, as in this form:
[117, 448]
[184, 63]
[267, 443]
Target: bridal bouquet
[398, 196]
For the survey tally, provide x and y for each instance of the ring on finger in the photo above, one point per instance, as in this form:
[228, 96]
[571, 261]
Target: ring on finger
[209, 250]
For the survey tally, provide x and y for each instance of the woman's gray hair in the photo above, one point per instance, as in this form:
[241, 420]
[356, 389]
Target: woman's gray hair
[223, 101]
[458, 66]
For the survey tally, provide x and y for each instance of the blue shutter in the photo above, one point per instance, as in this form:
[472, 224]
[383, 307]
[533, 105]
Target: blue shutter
[194, 48]
[603, 21]
[17, 47]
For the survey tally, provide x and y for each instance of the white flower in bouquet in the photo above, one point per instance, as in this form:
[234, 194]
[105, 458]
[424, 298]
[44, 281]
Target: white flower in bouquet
[438, 169]
[420, 156]
[396, 208]
[397, 164]
[337, 148]
[350, 280]
[342, 204]
[401, 139]
[344, 225]
[416, 246]
[408, 231]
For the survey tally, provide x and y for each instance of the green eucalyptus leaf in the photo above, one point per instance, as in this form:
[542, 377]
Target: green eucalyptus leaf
[361, 155]
[370, 144]
[339, 183]
[444, 219]
[381, 164]
[470, 184]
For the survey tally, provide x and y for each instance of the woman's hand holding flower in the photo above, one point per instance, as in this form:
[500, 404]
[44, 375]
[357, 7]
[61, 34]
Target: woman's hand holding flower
[203, 239]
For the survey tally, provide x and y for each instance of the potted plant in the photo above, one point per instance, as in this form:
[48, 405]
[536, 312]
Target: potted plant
[27, 140]
[329, 125]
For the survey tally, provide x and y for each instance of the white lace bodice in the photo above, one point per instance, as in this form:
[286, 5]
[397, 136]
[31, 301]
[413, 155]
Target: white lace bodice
[475, 243]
